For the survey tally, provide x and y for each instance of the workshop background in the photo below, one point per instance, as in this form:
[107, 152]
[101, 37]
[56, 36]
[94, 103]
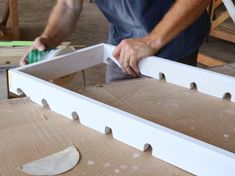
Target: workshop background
[29, 131]
[92, 29]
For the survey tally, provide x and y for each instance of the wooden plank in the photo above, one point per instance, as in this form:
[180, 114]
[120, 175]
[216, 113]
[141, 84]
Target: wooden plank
[12, 32]
[209, 61]
[3, 85]
[222, 35]
[228, 27]
[5, 15]
[13, 6]
[11, 55]
[228, 69]
[217, 3]
[220, 19]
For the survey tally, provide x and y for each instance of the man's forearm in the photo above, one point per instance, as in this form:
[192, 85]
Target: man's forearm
[181, 15]
[62, 20]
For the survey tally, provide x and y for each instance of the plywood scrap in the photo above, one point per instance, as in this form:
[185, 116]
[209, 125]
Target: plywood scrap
[54, 164]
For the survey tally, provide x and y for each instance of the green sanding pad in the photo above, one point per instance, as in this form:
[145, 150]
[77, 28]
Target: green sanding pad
[36, 55]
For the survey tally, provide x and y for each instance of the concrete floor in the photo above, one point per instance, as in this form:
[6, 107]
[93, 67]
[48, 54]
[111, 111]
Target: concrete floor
[91, 29]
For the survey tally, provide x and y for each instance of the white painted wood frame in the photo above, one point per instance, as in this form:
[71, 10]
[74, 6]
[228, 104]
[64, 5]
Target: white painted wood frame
[185, 152]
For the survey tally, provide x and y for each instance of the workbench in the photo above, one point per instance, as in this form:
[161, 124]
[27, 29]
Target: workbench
[29, 131]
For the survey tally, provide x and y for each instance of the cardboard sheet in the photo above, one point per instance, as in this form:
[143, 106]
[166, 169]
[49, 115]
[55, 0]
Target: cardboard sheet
[29, 132]
[200, 116]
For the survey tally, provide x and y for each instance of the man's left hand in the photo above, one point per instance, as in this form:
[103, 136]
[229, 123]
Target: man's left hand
[130, 51]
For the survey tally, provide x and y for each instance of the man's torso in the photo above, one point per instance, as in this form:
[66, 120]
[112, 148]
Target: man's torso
[136, 18]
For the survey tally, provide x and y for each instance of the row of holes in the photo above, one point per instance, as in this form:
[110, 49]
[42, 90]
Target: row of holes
[193, 86]
[108, 131]
[162, 76]
[147, 146]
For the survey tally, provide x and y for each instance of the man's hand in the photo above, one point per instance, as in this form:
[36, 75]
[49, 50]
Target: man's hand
[130, 51]
[61, 23]
[182, 14]
[40, 44]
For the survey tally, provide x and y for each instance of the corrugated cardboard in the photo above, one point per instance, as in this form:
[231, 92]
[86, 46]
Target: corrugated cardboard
[29, 132]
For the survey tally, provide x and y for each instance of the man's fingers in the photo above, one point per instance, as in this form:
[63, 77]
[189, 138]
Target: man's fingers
[121, 57]
[23, 60]
[130, 71]
[39, 45]
[126, 65]
[128, 62]
[117, 51]
[134, 64]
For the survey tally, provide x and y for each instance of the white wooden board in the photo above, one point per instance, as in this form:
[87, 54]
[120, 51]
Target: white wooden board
[173, 147]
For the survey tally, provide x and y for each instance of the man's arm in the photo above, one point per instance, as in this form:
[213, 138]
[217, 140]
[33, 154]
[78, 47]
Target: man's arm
[181, 15]
[61, 22]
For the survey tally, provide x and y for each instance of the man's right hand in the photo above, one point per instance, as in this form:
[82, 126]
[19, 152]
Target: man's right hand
[61, 23]
[40, 44]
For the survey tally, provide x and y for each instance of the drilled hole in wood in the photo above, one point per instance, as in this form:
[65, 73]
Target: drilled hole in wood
[45, 104]
[75, 116]
[162, 76]
[20, 91]
[108, 131]
[148, 148]
[193, 86]
[227, 96]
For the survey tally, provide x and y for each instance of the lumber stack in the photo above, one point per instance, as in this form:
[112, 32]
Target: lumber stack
[222, 26]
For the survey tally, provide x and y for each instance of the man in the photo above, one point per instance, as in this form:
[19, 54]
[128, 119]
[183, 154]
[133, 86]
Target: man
[172, 29]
